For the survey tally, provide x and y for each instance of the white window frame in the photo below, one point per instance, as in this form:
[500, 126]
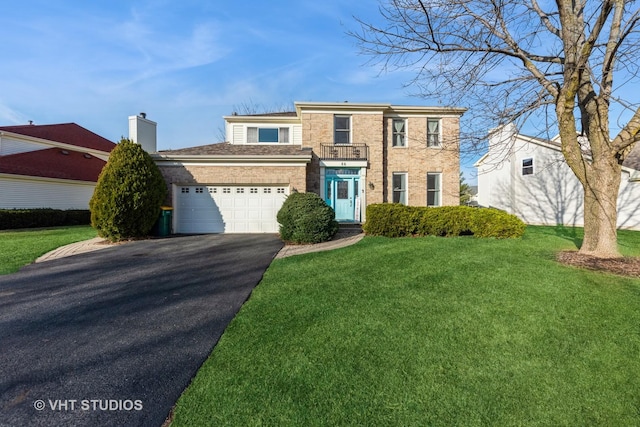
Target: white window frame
[402, 192]
[394, 133]
[437, 191]
[439, 144]
[348, 130]
[528, 169]
[253, 134]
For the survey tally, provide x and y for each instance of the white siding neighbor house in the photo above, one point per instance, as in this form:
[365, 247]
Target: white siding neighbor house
[529, 177]
[50, 166]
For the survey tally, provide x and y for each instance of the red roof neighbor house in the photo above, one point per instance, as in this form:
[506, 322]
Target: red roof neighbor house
[50, 166]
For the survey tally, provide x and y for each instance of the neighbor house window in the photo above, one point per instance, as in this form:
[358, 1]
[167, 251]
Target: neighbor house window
[400, 188]
[342, 129]
[399, 132]
[433, 132]
[527, 166]
[257, 135]
[434, 189]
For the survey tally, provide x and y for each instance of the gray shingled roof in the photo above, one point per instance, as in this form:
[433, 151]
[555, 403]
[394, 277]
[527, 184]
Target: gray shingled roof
[227, 149]
[633, 159]
[274, 114]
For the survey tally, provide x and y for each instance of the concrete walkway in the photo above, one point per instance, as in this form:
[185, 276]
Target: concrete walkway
[98, 243]
[337, 242]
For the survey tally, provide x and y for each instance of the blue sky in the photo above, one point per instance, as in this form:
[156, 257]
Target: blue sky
[185, 63]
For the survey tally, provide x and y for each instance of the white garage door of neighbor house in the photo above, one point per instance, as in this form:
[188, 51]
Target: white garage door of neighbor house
[228, 209]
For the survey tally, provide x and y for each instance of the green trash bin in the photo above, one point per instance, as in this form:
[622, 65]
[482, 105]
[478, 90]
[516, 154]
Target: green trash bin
[162, 228]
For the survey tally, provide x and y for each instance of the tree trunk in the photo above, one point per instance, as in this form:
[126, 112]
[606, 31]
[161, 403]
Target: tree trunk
[600, 213]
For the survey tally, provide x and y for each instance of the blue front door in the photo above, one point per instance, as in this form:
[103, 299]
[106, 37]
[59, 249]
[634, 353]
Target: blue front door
[342, 193]
[344, 199]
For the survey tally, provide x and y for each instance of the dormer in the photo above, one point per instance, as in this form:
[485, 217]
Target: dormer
[264, 129]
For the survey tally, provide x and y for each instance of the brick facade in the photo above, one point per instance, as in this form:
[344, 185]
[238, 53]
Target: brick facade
[300, 167]
[293, 177]
[416, 159]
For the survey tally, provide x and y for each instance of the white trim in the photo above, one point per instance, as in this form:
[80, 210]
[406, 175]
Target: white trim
[533, 166]
[231, 164]
[368, 108]
[344, 163]
[46, 179]
[362, 186]
[226, 160]
[439, 189]
[393, 130]
[406, 189]
[439, 119]
[350, 130]
[54, 144]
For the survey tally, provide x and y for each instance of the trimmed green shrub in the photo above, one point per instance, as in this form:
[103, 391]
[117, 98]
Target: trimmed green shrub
[306, 218]
[130, 190]
[496, 223]
[11, 219]
[390, 219]
[395, 220]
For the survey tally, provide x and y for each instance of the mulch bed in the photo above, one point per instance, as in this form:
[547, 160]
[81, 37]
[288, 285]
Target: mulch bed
[628, 266]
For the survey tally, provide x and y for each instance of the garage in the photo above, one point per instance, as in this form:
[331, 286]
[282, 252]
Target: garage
[227, 208]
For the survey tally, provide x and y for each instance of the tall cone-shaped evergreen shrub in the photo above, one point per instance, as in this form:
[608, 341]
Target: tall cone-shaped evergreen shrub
[130, 190]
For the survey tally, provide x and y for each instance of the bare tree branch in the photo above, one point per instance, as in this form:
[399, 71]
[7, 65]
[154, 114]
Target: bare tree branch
[512, 60]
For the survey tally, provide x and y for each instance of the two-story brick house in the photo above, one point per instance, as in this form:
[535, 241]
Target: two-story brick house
[351, 154]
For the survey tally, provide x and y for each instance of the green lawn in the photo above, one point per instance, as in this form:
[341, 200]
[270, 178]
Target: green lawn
[429, 331]
[22, 247]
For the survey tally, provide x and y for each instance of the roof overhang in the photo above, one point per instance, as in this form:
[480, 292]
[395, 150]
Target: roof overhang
[51, 144]
[385, 108]
[262, 119]
[46, 179]
[176, 160]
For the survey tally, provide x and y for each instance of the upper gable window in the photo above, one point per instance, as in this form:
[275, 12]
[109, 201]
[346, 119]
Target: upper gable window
[527, 166]
[433, 132]
[399, 132]
[265, 135]
[342, 129]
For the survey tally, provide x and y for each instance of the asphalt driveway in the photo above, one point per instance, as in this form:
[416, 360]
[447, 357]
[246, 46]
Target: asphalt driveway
[113, 337]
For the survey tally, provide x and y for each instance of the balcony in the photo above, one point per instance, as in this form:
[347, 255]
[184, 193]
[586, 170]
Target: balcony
[344, 152]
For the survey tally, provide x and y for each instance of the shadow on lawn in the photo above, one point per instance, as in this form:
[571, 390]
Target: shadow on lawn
[569, 233]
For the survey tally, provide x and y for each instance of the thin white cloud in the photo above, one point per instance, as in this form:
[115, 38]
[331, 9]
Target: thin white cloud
[10, 116]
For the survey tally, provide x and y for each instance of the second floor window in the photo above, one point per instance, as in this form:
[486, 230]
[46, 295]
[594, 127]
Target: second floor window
[527, 166]
[433, 132]
[399, 132]
[267, 135]
[342, 129]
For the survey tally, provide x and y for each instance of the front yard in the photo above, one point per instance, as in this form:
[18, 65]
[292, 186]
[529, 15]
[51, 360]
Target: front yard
[21, 247]
[429, 331]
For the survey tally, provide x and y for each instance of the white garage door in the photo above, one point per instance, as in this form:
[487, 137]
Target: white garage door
[227, 209]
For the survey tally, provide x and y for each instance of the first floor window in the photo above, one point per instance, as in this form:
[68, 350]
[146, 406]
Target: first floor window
[267, 135]
[433, 132]
[527, 166]
[400, 188]
[434, 189]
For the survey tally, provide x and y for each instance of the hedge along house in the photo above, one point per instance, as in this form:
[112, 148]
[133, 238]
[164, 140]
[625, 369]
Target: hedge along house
[50, 166]
[351, 154]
